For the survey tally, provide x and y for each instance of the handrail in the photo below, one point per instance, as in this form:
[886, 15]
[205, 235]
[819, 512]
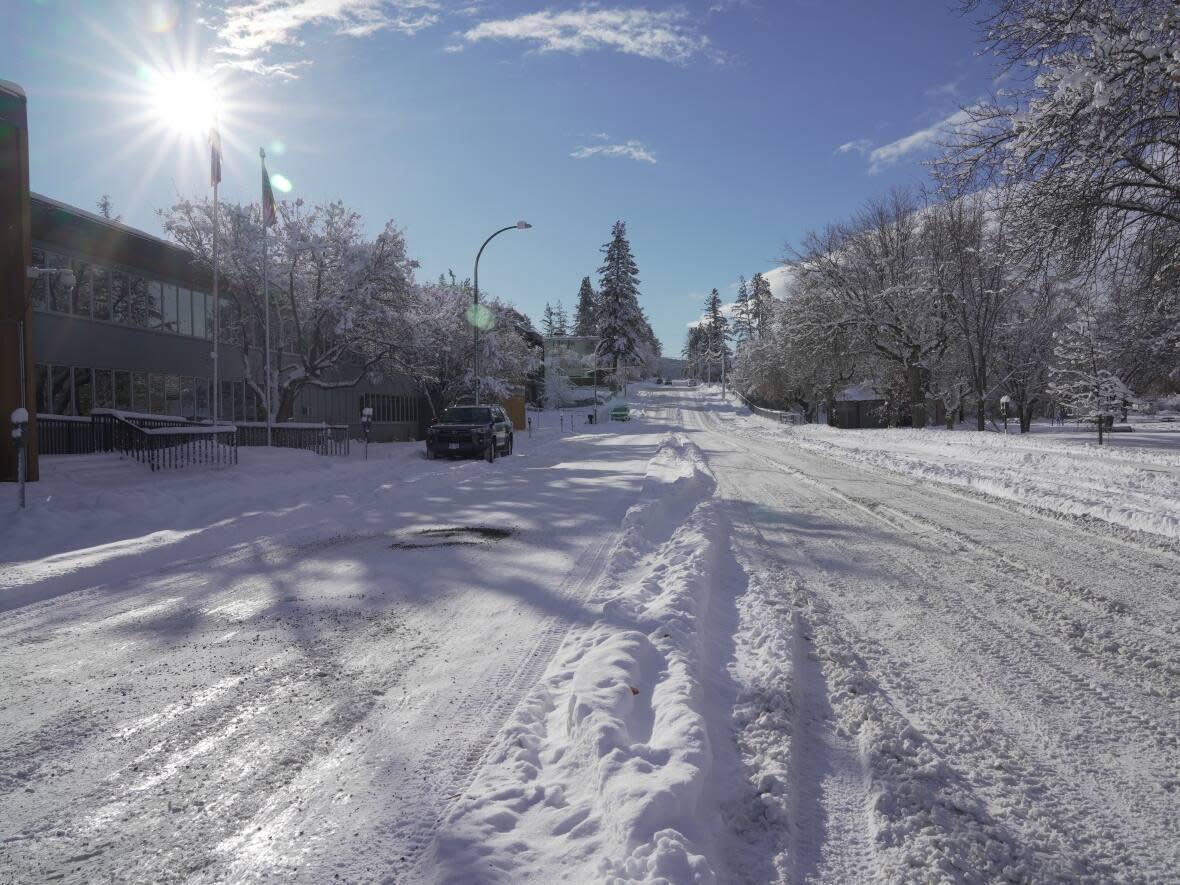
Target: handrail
[170, 446]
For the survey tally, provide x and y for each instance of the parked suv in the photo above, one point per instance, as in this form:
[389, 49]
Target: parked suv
[484, 431]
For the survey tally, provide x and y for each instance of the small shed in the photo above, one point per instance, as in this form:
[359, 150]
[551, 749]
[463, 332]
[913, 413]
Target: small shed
[860, 406]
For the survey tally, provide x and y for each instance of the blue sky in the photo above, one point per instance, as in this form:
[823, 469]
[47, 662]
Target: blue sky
[718, 130]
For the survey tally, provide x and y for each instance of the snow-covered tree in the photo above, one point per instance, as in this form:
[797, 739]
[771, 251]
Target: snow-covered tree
[1084, 379]
[560, 320]
[334, 292]
[548, 323]
[715, 339]
[743, 316]
[586, 316]
[761, 307]
[1086, 122]
[621, 322]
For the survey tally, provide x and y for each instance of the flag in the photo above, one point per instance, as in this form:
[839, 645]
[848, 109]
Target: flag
[269, 218]
[214, 157]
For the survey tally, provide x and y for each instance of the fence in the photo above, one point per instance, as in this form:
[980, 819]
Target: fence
[169, 445]
[64, 435]
[772, 414]
[323, 439]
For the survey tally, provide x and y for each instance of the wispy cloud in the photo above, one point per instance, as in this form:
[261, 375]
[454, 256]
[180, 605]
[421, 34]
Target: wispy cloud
[888, 154]
[632, 150]
[860, 146]
[249, 31]
[664, 35]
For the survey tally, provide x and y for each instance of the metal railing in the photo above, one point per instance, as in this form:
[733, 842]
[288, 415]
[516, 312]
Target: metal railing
[64, 435]
[323, 439]
[170, 445]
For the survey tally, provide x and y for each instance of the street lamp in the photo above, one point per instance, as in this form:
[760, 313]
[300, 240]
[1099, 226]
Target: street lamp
[475, 320]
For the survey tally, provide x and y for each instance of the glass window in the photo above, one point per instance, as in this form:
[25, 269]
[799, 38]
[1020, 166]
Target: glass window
[83, 390]
[170, 307]
[201, 386]
[139, 308]
[37, 288]
[123, 390]
[139, 392]
[198, 314]
[172, 394]
[184, 307]
[226, 402]
[104, 389]
[100, 294]
[209, 315]
[120, 297]
[60, 295]
[188, 405]
[42, 373]
[155, 304]
[81, 293]
[63, 392]
[156, 394]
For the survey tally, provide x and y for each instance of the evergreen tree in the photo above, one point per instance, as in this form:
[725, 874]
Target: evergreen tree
[760, 305]
[560, 320]
[621, 320]
[743, 326]
[586, 318]
[716, 334]
[548, 321]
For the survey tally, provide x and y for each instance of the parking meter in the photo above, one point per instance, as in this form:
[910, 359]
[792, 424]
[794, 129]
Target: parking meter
[1005, 405]
[366, 426]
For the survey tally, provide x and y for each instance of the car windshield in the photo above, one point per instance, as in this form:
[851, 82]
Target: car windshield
[472, 415]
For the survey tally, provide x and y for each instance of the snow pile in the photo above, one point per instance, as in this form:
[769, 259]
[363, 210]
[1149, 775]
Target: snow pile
[1133, 488]
[603, 771]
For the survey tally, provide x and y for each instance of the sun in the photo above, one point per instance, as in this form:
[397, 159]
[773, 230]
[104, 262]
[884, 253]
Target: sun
[185, 102]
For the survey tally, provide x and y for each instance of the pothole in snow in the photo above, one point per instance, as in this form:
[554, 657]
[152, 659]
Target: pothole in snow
[449, 536]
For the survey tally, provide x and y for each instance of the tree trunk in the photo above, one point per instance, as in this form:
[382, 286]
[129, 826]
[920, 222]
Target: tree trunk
[917, 397]
[980, 417]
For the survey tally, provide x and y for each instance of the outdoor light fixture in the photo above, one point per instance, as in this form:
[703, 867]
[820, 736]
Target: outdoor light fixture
[520, 225]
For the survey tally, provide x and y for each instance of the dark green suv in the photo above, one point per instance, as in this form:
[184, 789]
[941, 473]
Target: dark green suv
[483, 431]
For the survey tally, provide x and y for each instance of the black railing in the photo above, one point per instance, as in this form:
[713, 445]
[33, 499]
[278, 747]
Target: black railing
[64, 435]
[170, 447]
[773, 414]
[323, 439]
[106, 421]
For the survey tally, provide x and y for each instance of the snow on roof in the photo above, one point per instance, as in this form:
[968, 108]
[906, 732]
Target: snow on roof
[858, 393]
[109, 222]
[9, 86]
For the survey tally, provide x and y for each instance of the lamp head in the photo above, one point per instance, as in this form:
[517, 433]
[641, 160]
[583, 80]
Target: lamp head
[523, 225]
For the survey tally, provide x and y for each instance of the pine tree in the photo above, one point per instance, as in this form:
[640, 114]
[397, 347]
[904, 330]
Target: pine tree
[560, 320]
[716, 326]
[586, 318]
[548, 321]
[743, 326]
[620, 317]
[760, 305]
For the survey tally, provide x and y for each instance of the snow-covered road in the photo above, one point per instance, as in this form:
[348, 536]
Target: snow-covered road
[708, 652]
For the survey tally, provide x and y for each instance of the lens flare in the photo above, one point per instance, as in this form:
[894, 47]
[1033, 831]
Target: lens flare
[281, 183]
[480, 317]
[161, 16]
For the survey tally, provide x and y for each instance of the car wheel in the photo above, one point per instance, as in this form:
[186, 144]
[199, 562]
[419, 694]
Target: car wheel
[430, 455]
[490, 454]
[510, 438]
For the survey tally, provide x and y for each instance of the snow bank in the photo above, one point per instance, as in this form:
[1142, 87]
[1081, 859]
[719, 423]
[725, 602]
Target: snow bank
[1137, 489]
[603, 771]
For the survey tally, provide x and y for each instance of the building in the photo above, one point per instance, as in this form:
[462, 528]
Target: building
[135, 332]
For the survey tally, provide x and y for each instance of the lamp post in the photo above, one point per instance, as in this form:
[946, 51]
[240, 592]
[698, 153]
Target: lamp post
[520, 225]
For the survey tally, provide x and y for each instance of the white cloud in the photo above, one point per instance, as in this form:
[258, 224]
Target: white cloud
[860, 146]
[944, 90]
[250, 30]
[632, 150]
[888, 154]
[663, 35]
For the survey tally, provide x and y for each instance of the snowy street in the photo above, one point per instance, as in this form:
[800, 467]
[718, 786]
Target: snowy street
[711, 649]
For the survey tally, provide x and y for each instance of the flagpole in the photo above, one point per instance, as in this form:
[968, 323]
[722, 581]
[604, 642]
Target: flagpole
[266, 298]
[216, 319]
